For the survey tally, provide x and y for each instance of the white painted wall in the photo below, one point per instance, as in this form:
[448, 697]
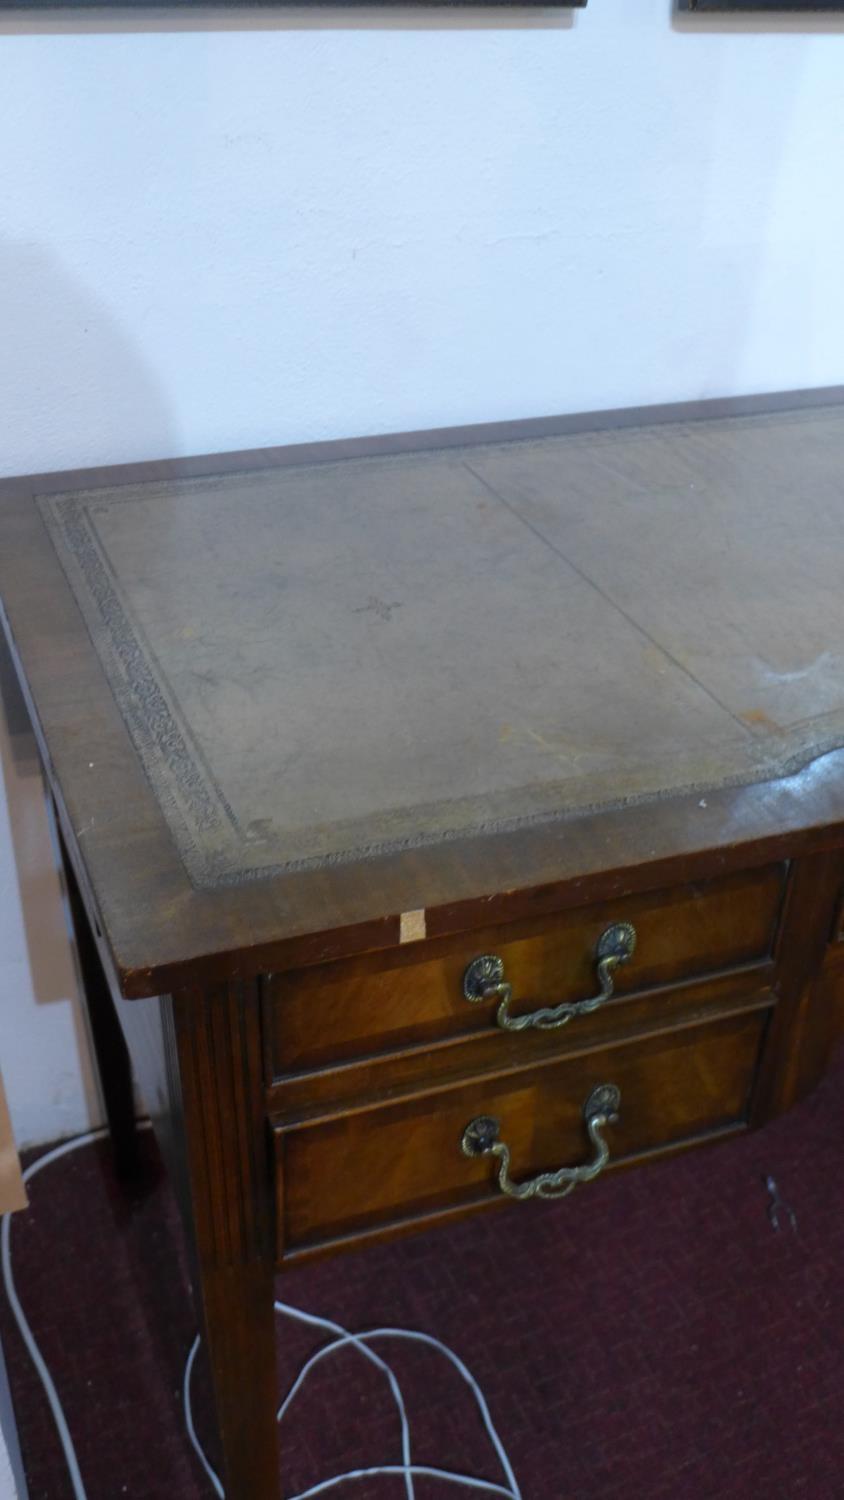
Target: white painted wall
[43, 1038]
[220, 230]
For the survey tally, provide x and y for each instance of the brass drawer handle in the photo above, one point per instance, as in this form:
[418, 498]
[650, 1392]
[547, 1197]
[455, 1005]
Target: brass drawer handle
[484, 979]
[481, 1138]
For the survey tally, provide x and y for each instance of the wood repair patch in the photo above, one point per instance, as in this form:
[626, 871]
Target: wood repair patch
[412, 926]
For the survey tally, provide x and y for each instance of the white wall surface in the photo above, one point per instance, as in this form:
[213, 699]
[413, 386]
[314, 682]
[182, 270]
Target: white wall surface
[226, 229]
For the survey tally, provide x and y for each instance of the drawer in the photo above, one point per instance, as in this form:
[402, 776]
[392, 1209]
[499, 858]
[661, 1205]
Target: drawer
[391, 1165]
[412, 997]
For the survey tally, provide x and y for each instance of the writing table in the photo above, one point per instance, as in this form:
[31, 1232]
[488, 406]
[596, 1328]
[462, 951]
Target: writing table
[446, 818]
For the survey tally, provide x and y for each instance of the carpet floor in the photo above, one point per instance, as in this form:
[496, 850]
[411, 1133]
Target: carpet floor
[653, 1336]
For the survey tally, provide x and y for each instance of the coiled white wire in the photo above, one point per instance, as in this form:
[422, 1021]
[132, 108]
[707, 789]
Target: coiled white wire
[342, 1339]
[19, 1316]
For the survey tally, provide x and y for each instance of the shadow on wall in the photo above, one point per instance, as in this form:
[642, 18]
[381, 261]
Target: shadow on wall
[69, 370]
[72, 369]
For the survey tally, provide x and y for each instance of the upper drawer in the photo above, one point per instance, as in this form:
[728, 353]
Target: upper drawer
[410, 997]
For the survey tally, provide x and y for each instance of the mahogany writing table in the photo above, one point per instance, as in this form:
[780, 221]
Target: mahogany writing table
[446, 818]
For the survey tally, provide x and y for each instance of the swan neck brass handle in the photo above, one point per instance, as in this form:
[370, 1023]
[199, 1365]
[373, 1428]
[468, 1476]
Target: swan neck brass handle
[482, 1138]
[484, 980]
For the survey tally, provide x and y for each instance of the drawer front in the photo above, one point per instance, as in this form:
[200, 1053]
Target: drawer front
[410, 998]
[390, 1165]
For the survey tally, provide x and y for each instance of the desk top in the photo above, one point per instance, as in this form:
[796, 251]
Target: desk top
[303, 669]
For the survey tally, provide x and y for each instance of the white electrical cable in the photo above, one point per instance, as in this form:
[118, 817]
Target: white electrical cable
[406, 1470]
[361, 1339]
[195, 1443]
[314, 1322]
[19, 1316]
[397, 1469]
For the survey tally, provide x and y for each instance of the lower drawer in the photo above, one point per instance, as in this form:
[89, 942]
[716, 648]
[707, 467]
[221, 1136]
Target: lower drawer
[383, 1166]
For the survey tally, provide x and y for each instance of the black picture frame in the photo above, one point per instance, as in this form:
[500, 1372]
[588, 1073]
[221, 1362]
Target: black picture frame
[794, 7]
[281, 5]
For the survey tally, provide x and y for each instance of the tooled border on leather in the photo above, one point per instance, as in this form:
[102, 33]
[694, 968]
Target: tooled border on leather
[160, 742]
[157, 736]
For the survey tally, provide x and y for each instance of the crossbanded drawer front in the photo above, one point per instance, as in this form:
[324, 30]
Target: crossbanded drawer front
[385, 1167]
[413, 997]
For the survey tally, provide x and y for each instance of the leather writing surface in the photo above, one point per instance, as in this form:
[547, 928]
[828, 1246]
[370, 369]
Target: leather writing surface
[318, 661]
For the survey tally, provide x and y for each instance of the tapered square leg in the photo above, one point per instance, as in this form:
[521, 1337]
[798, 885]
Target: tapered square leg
[217, 1037]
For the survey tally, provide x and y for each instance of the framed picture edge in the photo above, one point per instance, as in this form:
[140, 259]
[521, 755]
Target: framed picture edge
[761, 7]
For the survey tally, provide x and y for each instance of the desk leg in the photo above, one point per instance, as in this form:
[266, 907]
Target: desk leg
[113, 1066]
[217, 1035]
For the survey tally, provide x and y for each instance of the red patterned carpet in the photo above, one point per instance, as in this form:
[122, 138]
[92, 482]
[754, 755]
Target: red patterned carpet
[652, 1336]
